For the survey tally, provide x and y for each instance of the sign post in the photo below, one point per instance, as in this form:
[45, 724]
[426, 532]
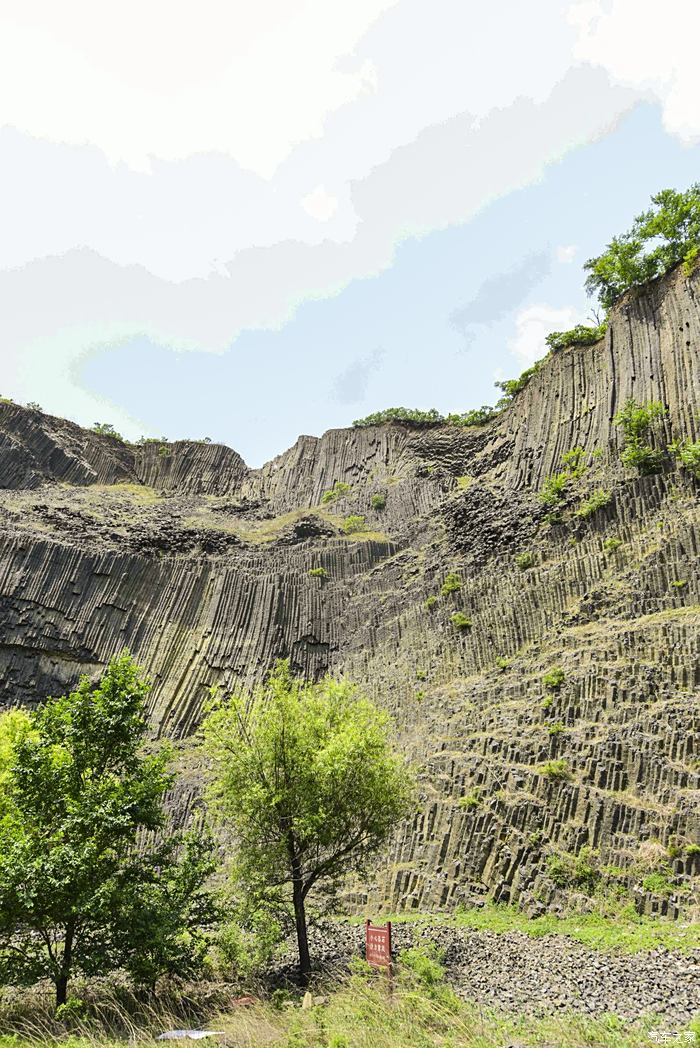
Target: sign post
[378, 946]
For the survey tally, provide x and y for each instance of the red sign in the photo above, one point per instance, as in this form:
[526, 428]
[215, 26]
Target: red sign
[378, 944]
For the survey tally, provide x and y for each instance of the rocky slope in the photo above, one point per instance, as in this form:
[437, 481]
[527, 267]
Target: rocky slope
[201, 567]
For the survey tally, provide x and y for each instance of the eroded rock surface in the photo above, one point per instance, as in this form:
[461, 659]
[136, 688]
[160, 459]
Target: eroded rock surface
[208, 572]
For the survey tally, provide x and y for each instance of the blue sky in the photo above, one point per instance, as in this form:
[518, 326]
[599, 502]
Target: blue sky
[398, 213]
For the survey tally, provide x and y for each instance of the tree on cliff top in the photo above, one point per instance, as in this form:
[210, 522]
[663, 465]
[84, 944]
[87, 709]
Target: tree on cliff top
[76, 895]
[308, 779]
[668, 233]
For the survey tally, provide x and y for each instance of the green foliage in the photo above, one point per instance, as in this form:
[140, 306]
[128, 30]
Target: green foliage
[554, 488]
[76, 895]
[557, 771]
[636, 422]
[339, 490]
[461, 621]
[524, 560]
[579, 872]
[666, 234]
[378, 501]
[595, 501]
[143, 441]
[308, 780]
[502, 662]
[554, 678]
[470, 800]
[658, 883]
[581, 335]
[318, 573]
[413, 416]
[33, 406]
[475, 417]
[106, 429]
[430, 602]
[611, 544]
[679, 583]
[353, 524]
[510, 387]
[692, 849]
[451, 584]
[687, 454]
[573, 462]
[558, 728]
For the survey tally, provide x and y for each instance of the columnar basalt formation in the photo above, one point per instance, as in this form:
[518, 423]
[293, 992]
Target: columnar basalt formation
[204, 569]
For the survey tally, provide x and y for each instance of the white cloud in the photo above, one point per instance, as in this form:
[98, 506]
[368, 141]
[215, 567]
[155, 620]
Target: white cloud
[532, 325]
[649, 48]
[566, 253]
[320, 204]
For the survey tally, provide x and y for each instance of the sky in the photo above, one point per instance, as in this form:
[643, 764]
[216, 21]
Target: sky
[255, 221]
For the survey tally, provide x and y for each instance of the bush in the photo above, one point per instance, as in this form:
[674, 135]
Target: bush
[554, 678]
[378, 501]
[413, 416]
[668, 233]
[431, 602]
[475, 417]
[33, 406]
[452, 583]
[581, 335]
[687, 454]
[558, 728]
[636, 422]
[575, 871]
[679, 583]
[610, 545]
[658, 883]
[461, 621]
[470, 800]
[318, 573]
[339, 490]
[524, 560]
[510, 387]
[593, 503]
[106, 429]
[554, 488]
[573, 462]
[557, 771]
[353, 524]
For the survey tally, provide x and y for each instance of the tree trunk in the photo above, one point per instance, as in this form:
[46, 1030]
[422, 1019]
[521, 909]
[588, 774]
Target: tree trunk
[64, 974]
[302, 937]
[61, 989]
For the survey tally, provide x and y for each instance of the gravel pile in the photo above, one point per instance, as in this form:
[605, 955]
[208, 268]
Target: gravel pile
[518, 973]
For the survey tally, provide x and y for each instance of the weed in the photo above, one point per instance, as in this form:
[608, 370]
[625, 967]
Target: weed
[524, 560]
[461, 621]
[593, 503]
[353, 523]
[554, 678]
[556, 771]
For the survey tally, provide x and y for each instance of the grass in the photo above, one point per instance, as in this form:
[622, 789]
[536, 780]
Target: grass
[421, 1011]
[621, 932]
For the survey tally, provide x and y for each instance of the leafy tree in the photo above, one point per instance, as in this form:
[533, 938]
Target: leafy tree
[666, 234]
[307, 777]
[76, 895]
[688, 454]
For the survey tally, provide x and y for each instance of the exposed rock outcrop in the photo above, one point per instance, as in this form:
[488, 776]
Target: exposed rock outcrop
[203, 567]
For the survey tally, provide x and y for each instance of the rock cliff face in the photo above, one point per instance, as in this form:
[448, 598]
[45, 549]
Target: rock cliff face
[201, 567]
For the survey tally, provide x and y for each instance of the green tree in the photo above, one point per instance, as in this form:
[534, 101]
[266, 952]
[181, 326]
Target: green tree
[637, 422]
[666, 234]
[312, 788]
[76, 894]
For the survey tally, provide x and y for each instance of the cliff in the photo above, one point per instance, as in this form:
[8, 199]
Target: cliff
[201, 567]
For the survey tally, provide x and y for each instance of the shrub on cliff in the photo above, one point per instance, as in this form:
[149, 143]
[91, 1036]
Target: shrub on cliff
[581, 335]
[411, 415]
[106, 429]
[666, 234]
[309, 781]
[637, 422]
